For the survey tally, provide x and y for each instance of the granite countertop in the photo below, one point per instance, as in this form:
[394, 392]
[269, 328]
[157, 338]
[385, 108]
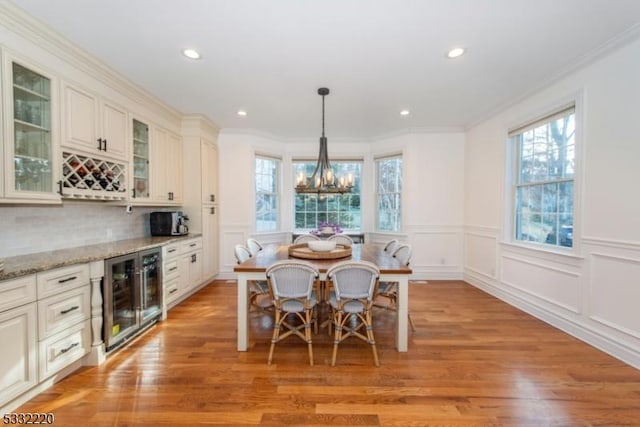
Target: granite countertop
[23, 265]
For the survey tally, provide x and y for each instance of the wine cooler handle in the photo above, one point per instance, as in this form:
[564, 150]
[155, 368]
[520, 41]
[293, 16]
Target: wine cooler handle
[104, 141]
[99, 144]
[143, 297]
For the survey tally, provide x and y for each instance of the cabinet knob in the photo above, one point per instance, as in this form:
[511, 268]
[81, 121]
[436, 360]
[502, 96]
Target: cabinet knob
[100, 144]
[212, 197]
[104, 141]
[213, 211]
[170, 195]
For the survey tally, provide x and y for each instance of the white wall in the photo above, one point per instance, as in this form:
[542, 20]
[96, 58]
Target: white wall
[433, 193]
[593, 292]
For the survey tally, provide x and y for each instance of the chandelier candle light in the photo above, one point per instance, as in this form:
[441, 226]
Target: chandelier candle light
[323, 179]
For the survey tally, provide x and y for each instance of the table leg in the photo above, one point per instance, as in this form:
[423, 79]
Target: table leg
[402, 320]
[243, 313]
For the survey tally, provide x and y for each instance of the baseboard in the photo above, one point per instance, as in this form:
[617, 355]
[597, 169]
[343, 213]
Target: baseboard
[578, 330]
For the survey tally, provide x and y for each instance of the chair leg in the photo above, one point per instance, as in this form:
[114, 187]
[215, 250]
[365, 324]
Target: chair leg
[372, 341]
[276, 333]
[307, 334]
[337, 324]
[413, 328]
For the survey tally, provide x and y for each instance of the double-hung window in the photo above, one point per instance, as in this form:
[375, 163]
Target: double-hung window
[389, 193]
[545, 154]
[267, 193]
[341, 209]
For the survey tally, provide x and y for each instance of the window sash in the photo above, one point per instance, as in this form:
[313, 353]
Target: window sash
[267, 197]
[389, 196]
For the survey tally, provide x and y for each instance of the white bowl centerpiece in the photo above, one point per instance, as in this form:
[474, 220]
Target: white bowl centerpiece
[322, 245]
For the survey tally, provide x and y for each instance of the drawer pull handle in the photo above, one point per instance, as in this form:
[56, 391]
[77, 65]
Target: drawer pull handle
[64, 350]
[68, 279]
[173, 291]
[173, 268]
[172, 250]
[194, 258]
[193, 244]
[68, 310]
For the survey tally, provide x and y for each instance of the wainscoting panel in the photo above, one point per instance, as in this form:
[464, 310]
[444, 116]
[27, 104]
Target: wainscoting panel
[546, 283]
[614, 292]
[229, 239]
[437, 254]
[480, 253]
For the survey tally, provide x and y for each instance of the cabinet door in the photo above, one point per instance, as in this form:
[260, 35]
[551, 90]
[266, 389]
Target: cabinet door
[158, 146]
[80, 120]
[31, 166]
[209, 172]
[174, 168]
[209, 242]
[93, 125]
[114, 130]
[140, 160]
[18, 334]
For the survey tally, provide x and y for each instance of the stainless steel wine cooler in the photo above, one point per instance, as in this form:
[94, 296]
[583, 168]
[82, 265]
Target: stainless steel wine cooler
[132, 293]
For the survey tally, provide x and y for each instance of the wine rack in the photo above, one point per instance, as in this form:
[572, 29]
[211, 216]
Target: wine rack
[84, 177]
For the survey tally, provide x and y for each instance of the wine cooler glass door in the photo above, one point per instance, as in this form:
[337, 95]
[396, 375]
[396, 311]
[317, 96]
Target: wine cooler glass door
[151, 291]
[123, 301]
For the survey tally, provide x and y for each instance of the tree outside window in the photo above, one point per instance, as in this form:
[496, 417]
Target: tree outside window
[343, 209]
[267, 194]
[544, 188]
[389, 193]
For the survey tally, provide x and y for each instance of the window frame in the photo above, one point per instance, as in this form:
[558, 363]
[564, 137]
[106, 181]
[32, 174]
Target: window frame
[547, 114]
[277, 194]
[358, 185]
[376, 162]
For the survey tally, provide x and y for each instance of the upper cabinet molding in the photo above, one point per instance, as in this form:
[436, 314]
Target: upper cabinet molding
[30, 29]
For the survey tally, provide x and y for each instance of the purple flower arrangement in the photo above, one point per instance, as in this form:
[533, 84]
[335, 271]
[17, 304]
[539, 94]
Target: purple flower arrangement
[323, 226]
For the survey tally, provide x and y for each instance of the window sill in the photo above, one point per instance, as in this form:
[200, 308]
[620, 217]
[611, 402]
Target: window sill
[567, 256]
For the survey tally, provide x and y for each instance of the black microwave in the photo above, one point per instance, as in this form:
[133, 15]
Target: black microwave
[168, 224]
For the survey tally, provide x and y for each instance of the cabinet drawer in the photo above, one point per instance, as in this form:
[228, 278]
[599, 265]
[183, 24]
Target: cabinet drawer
[64, 348]
[57, 313]
[191, 245]
[170, 251]
[171, 269]
[171, 290]
[16, 292]
[53, 282]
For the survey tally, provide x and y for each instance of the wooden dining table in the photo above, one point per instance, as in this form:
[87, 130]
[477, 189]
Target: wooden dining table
[391, 270]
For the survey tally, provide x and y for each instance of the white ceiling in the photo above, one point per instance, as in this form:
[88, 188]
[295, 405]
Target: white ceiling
[268, 57]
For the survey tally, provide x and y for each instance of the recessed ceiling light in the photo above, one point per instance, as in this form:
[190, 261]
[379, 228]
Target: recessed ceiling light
[191, 53]
[405, 112]
[455, 52]
[242, 113]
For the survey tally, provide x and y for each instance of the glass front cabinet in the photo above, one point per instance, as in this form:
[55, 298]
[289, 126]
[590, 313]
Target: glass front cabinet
[30, 156]
[140, 188]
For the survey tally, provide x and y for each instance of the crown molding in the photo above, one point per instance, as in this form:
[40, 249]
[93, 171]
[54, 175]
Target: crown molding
[35, 31]
[607, 48]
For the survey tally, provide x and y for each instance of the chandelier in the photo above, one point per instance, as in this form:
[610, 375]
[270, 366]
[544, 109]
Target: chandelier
[323, 179]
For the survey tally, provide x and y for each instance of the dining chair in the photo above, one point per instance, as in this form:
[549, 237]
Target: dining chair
[389, 290]
[254, 246]
[257, 288]
[342, 239]
[354, 286]
[291, 284]
[304, 238]
[391, 246]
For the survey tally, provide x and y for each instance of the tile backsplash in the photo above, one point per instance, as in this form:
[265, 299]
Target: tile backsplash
[29, 229]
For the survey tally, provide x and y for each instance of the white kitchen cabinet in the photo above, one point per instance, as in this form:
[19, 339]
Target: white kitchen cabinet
[191, 265]
[201, 200]
[94, 125]
[31, 160]
[210, 242]
[140, 162]
[209, 165]
[64, 312]
[171, 273]
[166, 167]
[19, 337]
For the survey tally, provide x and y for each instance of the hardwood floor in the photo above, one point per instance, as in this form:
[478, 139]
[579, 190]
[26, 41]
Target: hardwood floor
[473, 360]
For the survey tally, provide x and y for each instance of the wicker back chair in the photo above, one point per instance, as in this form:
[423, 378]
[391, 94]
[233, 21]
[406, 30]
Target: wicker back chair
[354, 286]
[291, 284]
[342, 239]
[391, 246]
[257, 288]
[254, 246]
[389, 290]
[304, 238]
